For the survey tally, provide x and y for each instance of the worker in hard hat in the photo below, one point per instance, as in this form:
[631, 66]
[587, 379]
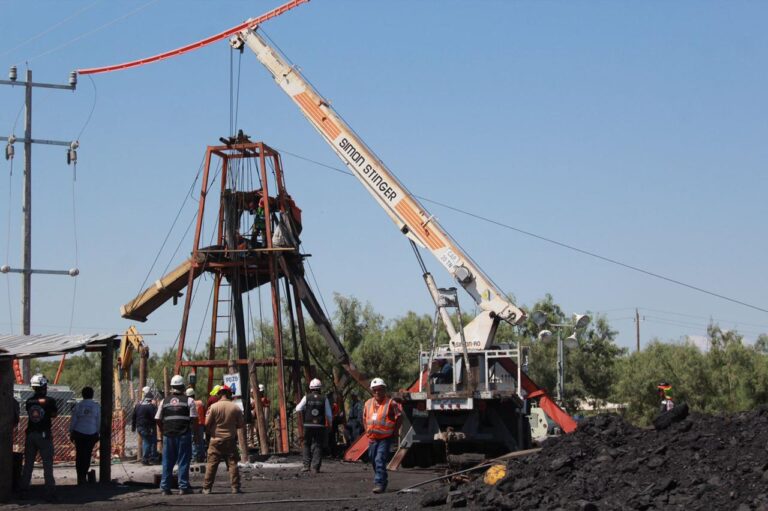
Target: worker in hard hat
[664, 391]
[316, 415]
[382, 417]
[175, 418]
[354, 427]
[143, 422]
[213, 396]
[40, 410]
[222, 422]
[198, 428]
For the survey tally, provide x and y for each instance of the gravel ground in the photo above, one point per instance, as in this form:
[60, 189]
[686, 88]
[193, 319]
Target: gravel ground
[276, 484]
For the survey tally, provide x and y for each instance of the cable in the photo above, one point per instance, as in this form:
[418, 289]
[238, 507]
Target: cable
[8, 247]
[77, 258]
[91, 32]
[559, 243]
[48, 30]
[705, 317]
[173, 224]
[93, 107]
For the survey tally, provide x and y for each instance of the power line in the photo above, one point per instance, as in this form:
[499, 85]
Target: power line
[49, 29]
[91, 32]
[552, 241]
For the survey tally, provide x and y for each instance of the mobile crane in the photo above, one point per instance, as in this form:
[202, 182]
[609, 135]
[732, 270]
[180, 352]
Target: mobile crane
[480, 410]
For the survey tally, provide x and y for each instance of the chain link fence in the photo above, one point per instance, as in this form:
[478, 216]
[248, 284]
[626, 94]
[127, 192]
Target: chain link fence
[124, 400]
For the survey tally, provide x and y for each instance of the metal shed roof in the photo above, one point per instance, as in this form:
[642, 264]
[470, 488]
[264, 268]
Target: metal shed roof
[32, 346]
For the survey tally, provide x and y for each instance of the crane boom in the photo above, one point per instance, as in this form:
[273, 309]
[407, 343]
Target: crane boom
[410, 217]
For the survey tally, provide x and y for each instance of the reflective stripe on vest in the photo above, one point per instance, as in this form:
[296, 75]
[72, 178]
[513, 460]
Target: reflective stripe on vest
[378, 425]
[314, 411]
[175, 415]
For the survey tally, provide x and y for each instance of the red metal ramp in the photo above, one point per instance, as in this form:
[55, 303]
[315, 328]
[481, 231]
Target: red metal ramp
[554, 412]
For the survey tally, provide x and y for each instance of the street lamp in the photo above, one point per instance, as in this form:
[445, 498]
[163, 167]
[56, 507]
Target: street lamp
[579, 321]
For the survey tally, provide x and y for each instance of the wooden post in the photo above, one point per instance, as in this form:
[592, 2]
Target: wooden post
[107, 390]
[261, 426]
[166, 384]
[6, 428]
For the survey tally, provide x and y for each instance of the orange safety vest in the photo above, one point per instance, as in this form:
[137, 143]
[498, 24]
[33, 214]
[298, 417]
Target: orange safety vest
[378, 425]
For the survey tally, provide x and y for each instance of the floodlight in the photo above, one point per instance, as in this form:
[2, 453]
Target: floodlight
[581, 320]
[545, 335]
[571, 341]
[539, 318]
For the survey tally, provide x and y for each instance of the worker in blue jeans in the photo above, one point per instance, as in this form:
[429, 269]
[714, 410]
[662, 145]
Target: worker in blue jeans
[175, 418]
[382, 417]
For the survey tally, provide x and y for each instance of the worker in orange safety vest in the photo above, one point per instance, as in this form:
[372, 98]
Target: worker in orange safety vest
[382, 417]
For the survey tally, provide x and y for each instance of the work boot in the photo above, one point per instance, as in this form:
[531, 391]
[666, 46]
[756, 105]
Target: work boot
[315, 470]
[165, 492]
[186, 491]
[206, 491]
[377, 489]
[305, 469]
[236, 490]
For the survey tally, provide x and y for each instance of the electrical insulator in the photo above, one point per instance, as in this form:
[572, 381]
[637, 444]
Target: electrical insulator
[9, 151]
[72, 152]
[73, 79]
[12, 74]
[74, 272]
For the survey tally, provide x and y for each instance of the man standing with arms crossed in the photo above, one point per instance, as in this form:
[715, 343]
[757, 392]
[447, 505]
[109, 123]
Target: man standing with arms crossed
[382, 417]
[222, 421]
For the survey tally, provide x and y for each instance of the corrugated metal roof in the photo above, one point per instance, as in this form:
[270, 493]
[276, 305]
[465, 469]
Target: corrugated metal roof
[30, 346]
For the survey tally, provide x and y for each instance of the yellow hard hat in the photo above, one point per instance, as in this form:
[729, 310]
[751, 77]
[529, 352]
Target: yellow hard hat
[215, 390]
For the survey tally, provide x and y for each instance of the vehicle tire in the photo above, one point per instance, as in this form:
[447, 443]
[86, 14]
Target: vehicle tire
[668, 418]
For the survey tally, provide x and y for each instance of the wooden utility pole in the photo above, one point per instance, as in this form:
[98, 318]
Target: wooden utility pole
[637, 328]
[26, 204]
[261, 426]
[107, 390]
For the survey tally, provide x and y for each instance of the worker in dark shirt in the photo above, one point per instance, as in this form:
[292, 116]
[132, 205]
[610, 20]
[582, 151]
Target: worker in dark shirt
[144, 422]
[40, 410]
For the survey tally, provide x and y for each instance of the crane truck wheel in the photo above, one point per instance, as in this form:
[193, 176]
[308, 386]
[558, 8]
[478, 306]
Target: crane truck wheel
[668, 418]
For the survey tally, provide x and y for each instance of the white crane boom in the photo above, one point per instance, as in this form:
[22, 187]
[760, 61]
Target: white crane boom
[411, 218]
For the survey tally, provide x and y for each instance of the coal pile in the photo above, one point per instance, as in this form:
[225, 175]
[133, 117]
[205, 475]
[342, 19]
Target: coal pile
[702, 462]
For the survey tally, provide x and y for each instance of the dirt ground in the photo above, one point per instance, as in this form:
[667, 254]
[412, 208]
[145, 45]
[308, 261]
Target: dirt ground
[276, 484]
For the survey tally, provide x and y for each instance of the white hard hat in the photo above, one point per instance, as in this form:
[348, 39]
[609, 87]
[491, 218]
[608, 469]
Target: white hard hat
[145, 390]
[261, 387]
[38, 380]
[315, 384]
[177, 381]
[190, 392]
[377, 382]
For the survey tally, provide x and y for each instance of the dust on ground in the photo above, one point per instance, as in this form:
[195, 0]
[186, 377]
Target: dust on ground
[277, 483]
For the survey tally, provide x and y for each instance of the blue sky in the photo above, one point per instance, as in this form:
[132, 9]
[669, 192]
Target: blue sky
[636, 131]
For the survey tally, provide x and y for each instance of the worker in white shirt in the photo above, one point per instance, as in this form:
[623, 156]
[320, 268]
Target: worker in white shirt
[84, 432]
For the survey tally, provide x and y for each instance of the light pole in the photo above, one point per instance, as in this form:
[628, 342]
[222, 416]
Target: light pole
[579, 321]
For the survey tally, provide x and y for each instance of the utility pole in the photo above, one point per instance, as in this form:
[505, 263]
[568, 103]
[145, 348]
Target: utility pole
[26, 254]
[637, 329]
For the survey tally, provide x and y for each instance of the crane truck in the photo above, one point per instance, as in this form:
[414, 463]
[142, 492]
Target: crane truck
[480, 406]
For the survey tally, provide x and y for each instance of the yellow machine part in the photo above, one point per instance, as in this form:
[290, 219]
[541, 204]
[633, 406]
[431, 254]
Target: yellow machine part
[495, 474]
